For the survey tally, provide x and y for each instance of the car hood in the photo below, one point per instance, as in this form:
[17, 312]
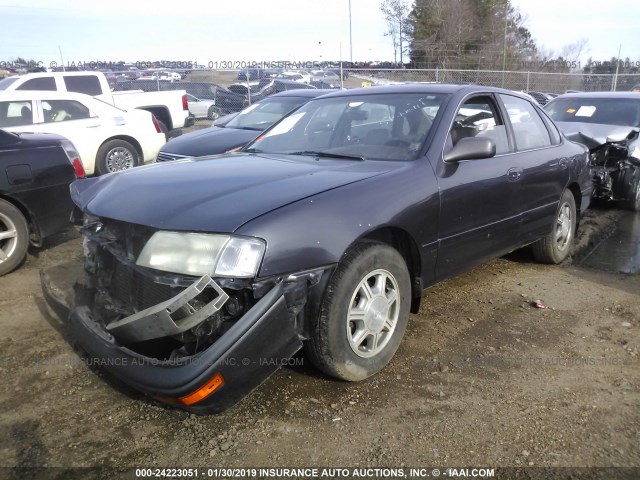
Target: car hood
[209, 141]
[215, 194]
[593, 135]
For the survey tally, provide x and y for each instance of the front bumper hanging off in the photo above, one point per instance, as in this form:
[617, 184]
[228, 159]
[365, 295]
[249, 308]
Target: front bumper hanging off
[214, 379]
[174, 316]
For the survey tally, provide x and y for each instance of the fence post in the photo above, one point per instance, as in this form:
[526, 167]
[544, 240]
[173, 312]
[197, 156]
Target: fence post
[528, 72]
[436, 74]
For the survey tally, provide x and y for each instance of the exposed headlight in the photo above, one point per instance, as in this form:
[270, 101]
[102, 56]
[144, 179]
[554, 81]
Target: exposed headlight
[203, 254]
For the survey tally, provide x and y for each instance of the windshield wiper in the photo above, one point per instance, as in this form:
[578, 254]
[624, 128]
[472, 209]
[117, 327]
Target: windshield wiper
[251, 150]
[327, 155]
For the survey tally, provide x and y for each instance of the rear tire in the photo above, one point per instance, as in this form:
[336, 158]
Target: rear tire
[213, 113]
[115, 156]
[364, 313]
[555, 247]
[14, 237]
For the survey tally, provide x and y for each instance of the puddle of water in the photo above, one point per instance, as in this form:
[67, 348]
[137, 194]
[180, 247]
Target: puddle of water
[619, 253]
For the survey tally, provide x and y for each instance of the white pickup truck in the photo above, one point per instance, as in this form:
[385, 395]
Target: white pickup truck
[170, 108]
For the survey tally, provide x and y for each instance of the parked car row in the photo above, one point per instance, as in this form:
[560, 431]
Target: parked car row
[169, 108]
[108, 139]
[258, 73]
[321, 234]
[224, 100]
[238, 131]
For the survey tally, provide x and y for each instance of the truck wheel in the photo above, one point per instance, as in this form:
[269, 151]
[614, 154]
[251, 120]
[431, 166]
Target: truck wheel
[213, 113]
[14, 237]
[554, 248]
[364, 313]
[115, 156]
[632, 193]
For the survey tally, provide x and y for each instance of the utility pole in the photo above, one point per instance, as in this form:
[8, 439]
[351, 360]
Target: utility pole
[504, 47]
[615, 78]
[350, 36]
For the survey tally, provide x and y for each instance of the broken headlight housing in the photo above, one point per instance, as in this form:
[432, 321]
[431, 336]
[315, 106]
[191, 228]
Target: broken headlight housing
[203, 254]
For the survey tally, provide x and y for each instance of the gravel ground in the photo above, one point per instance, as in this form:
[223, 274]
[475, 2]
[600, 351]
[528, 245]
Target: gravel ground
[483, 378]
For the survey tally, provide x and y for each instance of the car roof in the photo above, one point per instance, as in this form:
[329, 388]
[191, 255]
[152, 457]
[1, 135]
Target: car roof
[444, 88]
[60, 74]
[286, 81]
[40, 94]
[303, 92]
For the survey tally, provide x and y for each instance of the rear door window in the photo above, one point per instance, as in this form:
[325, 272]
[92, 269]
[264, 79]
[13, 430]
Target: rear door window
[64, 110]
[15, 113]
[40, 83]
[87, 84]
[528, 128]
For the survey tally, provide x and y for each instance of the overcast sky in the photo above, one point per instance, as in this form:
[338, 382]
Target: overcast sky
[262, 30]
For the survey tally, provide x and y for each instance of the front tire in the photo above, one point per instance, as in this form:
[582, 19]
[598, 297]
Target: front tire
[364, 313]
[14, 237]
[632, 197]
[555, 247]
[115, 156]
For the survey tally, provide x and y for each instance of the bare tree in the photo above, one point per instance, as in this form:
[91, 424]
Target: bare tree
[574, 51]
[395, 13]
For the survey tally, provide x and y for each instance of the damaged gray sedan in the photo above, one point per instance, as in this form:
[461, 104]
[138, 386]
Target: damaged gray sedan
[204, 275]
[608, 125]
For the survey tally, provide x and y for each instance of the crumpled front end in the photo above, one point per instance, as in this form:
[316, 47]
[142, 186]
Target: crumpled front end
[201, 342]
[614, 155]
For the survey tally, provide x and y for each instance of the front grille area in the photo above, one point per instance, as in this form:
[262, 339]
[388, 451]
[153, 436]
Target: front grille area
[120, 289]
[169, 157]
[133, 288]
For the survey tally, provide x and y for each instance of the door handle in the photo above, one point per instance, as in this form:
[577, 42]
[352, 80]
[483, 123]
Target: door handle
[514, 174]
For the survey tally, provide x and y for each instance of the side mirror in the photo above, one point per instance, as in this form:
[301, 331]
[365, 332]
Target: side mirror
[471, 148]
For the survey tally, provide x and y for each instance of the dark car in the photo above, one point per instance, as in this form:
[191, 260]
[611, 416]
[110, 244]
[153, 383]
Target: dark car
[204, 276]
[238, 131]
[226, 100]
[265, 88]
[608, 123]
[540, 97]
[34, 191]
[252, 73]
[144, 84]
[324, 85]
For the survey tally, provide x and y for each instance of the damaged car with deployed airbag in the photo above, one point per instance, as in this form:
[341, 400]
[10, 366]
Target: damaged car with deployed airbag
[608, 124]
[205, 275]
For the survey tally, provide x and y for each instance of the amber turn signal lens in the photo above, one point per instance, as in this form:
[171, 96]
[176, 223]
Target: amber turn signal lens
[204, 391]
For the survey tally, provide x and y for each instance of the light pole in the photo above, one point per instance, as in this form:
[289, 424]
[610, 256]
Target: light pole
[350, 36]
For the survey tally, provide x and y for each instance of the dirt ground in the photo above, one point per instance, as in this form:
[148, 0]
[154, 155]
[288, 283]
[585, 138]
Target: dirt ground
[483, 378]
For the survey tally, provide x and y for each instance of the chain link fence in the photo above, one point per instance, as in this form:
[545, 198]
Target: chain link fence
[513, 80]
[216, 92]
